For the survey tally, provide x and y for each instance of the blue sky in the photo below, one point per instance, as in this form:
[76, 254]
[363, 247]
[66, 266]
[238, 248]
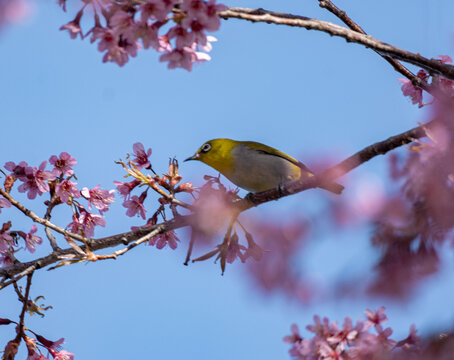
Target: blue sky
[303, 92]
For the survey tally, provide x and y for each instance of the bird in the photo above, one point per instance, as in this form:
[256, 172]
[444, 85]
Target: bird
[253, 166]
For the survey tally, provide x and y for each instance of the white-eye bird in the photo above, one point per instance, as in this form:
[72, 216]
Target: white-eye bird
[254, 166]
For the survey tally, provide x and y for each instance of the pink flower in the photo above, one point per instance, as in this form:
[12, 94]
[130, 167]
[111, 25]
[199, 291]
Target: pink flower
[17, 170]
[122, 23]
[73, 26]
[162, 240]
[445, 59]
[193, 7]
[345, 337]
[290, 339]
[234, 249]
[117, 47]
[85, 223]
[5, 242]
[63, 164]
[35, 180]
[156, 9]
[182, 37]
[125, 188]
[149, 35]
[412, 340]
[135, 206]
[32, 240]
[183, 58]
[4, 203]
[213, 22]
[414, 92]
[327, 352]
[63, 355]
[6, 260]
[100, 198]
[376, 318]
[141, 160]
[49, 344]
[66, 190]
[62, 3]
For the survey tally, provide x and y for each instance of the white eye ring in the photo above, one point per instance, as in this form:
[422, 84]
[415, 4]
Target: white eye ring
[206, 147]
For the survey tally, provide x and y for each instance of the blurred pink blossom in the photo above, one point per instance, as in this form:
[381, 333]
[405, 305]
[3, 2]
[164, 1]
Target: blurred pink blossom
[350, 342]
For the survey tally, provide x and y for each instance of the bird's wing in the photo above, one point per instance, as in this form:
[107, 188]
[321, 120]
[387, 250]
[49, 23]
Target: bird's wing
[265, 149]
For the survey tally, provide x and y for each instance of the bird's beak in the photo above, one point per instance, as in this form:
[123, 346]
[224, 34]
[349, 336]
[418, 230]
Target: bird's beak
[193, 157]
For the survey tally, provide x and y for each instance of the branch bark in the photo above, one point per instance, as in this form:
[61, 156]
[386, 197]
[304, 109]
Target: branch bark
[384, 49]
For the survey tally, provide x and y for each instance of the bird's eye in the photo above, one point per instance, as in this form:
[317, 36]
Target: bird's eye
[206, 148]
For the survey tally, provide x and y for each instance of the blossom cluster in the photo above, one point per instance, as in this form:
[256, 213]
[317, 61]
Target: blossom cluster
[351, 341]
[440, 83]
[58, 183]
[175, 28]
[35, 345]
[166, 186]
[212, 210]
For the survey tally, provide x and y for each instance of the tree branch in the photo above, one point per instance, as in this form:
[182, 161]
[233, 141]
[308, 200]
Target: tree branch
[329, 175]
[17, 271]
[39, 220]
[384, 49]
[142, 234]
[342, 15]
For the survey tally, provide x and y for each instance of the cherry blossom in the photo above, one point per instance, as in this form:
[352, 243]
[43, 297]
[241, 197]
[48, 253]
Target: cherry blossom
[414, 92]
[161, 240]
[125, 188]
[99, 198]
[350, 342]
[5, 242]
[36, 180]
[124, 26]
[31, 240]
[376, 318]
[85, 223]
[141, 156]
[63, 164]
[73, 26]
[18, 171]
[135, 206]
[4, 203]
[67, 190]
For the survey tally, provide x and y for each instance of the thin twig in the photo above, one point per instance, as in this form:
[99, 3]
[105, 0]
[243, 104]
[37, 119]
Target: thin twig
[16, 271]
[38, 219]
[384, 49]
[29, 270]
[47, 216]
[342, 15]
[369, 152]
[143, 239]
[21, 328]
